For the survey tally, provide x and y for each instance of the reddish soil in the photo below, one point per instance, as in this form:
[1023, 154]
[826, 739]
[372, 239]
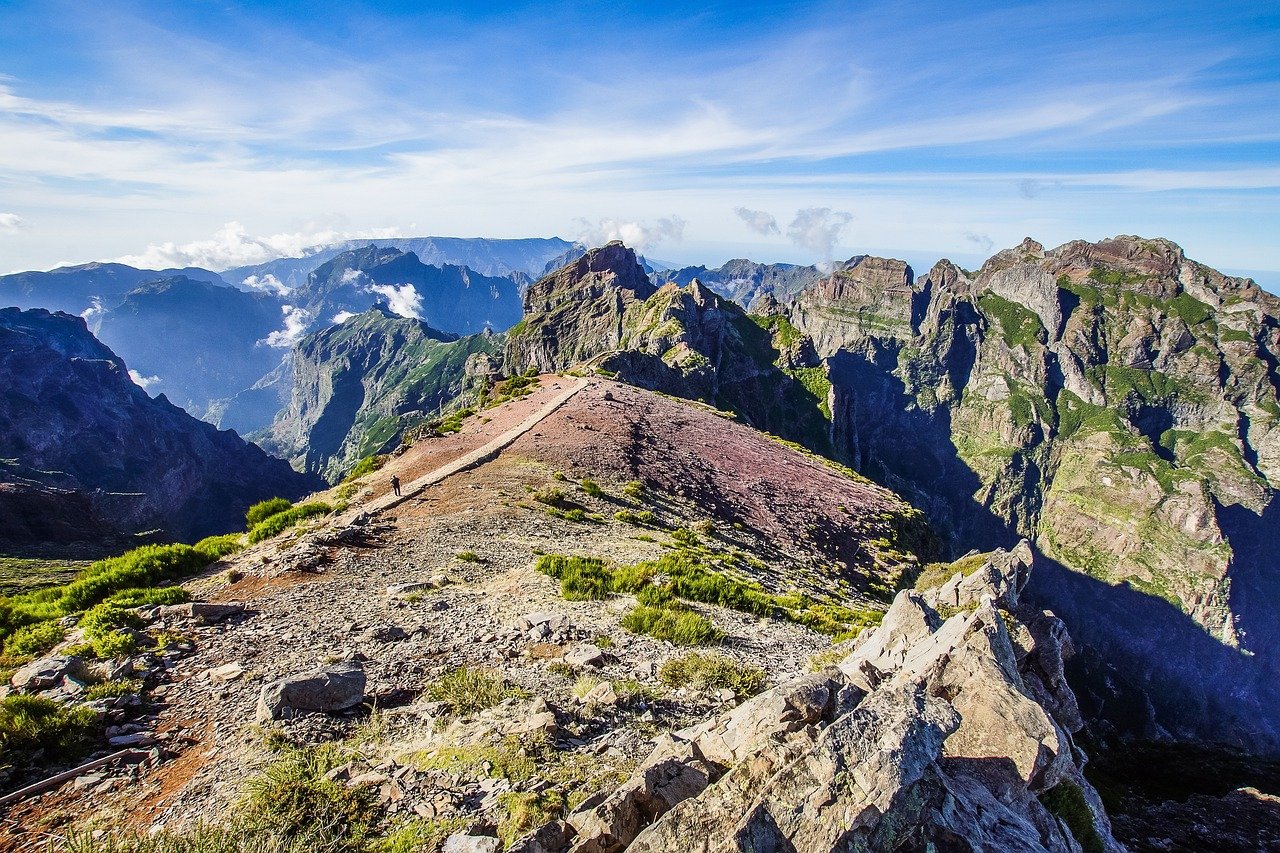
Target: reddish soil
[618, 433]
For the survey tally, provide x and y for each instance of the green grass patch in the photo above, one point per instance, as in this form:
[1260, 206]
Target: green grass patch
[263, 510]
[276, 524]
[217, 547]
[712, 671]
[1019, 325]
[31, 640]
[675, 623]
[468, 690]
[148, 596]
[1066, 801]
[30, 723]
[367, 465]
[291, 797]
[527, 811]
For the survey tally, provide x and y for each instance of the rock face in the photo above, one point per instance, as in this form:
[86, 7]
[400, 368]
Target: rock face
[360, 384]
[929, 735]
[1115, 403]
[685, 341]
[81, 435]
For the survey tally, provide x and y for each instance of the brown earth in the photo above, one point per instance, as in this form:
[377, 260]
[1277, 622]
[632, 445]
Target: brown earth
[814, 528]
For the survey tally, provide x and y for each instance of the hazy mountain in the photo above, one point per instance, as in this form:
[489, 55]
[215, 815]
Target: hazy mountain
[490, 257]
[194, 341]
[86, 452]
[84, 287]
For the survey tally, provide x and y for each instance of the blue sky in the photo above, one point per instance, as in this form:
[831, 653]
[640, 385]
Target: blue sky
[220, 132]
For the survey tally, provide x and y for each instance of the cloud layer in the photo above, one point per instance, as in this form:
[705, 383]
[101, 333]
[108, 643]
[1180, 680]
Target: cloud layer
[402, 299]
[295, 326]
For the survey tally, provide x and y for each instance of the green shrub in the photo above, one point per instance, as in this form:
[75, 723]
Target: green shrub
[217, 547]
[114, 644]
[292, 796]
[468, 556]
[367, 465]
[592, 488]
[527, 811]
[28, 723]
[148, 596]
[581, 578]
[276, 524]
[633, 489]
[655, 596]
[562, 669]
[681, 627]
[263, 510]
[112, 689]
[104, 618]
[471, 689]
[550, 495]
[35, 639]
[141, 567]
[703, 671]
[1066, 801]
[418, 836]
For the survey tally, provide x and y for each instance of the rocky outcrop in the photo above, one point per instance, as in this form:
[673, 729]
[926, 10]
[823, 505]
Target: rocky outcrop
[359, 385]
[929, 735]
[73, 424]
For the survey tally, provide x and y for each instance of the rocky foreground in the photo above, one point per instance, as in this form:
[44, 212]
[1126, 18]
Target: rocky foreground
[420, 677]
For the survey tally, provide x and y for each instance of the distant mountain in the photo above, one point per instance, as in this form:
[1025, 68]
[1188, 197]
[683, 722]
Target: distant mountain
[84, 451]
[87, 286]
[194, 341]
[359, 385]
[451, 298]
[746, 281]
[523, 257]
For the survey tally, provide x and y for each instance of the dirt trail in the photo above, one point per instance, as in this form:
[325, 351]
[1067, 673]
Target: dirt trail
[480, 454]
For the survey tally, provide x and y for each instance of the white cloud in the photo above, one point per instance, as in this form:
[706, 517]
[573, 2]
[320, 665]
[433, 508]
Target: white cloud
[267, 284]
[640, 236]
[295, 326]
[232, 246]
[342, 317]
[817, 229]
[11, 222]
[143, 382]
[759, 221]
[349, 276]
[401, 299]
[981, 241]
[94, 310]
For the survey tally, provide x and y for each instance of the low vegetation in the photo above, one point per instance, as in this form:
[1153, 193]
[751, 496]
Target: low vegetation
[1066, 802]
[263, 510]
[30, 723]
[276, 524]
[675, 623]
[367, 465]
[470, 689]
[712, 671]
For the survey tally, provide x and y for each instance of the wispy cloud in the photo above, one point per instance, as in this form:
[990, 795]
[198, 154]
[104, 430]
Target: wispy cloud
[238, 116]
[402, 299]
[641, 236]
[295, 326]
[759, 221]
[10, 222]
[143, 382]
[818, 229]
[232, 246]
[267, 283]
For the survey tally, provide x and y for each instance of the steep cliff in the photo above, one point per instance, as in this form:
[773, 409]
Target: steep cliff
[1114, 402]
[359, 385]
[77, 434]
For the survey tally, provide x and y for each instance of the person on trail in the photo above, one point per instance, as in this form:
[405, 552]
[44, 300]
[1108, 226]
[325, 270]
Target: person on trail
[395, 484]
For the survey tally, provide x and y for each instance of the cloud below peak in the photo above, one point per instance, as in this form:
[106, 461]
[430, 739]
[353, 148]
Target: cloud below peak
[233, 246]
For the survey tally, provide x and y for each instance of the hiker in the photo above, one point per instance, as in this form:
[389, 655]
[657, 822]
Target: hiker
[395, 484]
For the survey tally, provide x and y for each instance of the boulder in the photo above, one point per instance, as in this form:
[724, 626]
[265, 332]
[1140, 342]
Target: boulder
[461, 843]
[47, 673]
[334, 688]
[204, 612]
[585, 655]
